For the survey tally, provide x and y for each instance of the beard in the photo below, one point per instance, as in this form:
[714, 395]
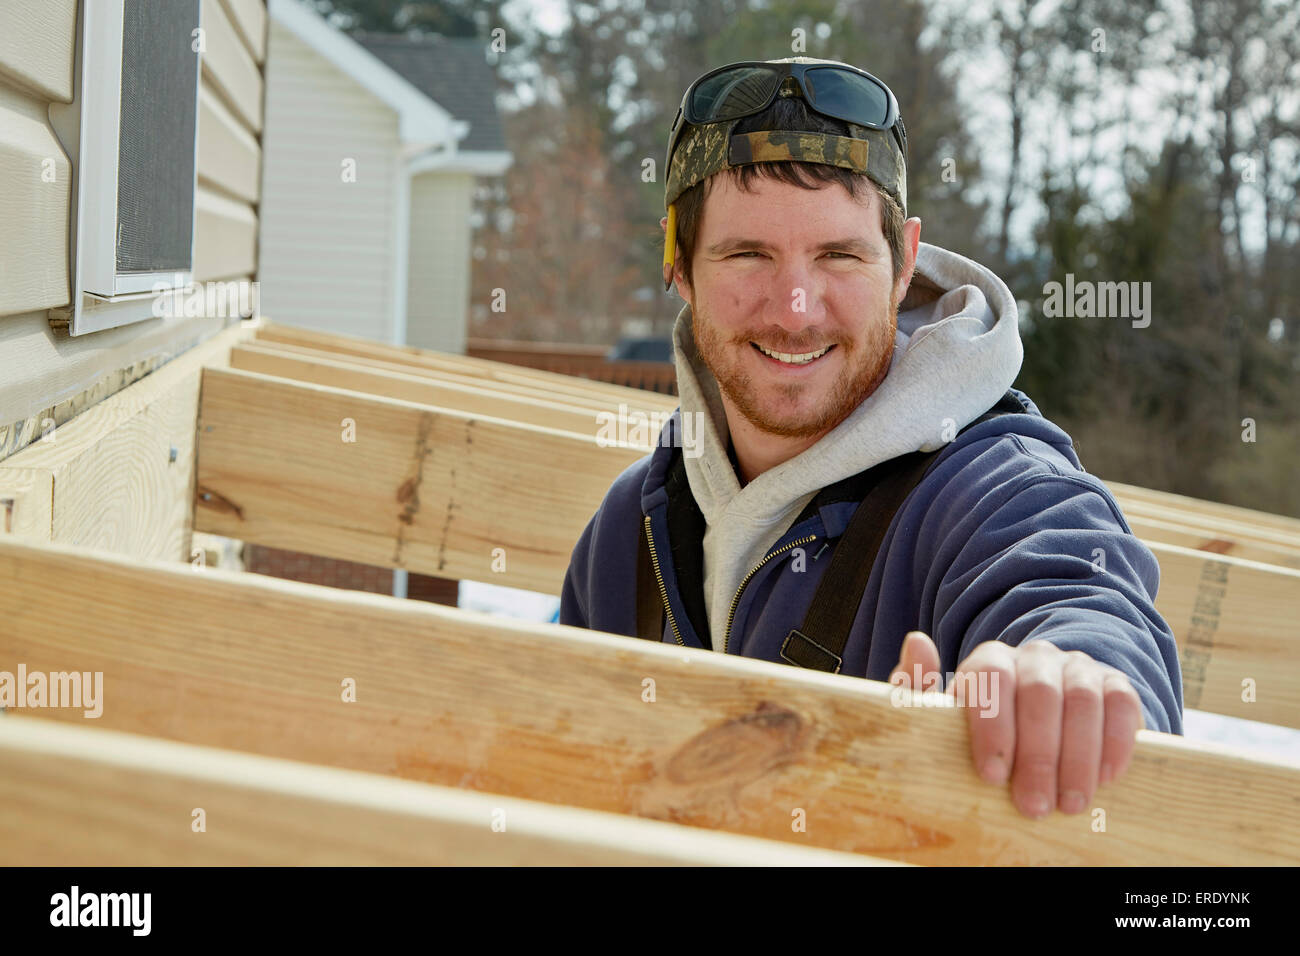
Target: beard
[775, 409]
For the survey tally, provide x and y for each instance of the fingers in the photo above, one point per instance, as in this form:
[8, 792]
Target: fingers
[1122, 722]
[918, 664]
[1039, 706]
[1081, 731]
[986, 685]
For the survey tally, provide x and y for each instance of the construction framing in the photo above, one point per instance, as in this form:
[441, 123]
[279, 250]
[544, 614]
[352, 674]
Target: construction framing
[317, 725]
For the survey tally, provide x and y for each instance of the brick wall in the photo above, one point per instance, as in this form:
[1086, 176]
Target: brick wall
[351, 575]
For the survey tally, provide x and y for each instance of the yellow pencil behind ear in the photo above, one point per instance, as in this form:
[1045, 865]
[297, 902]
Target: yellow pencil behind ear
[670, 245]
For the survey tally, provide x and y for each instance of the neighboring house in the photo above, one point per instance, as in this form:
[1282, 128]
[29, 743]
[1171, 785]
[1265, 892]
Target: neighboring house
[371, 154]
[66, 340]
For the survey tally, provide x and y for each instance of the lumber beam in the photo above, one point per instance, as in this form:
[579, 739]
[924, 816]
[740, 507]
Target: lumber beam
[568, 716]
[120, 474]
[432, 490]
[81, 796]
[582, 398]
[1235, 623]
[1201, 525]
[1209, 509]
[1220, 540]
[484, 369]
[286, 479]
[526, 405]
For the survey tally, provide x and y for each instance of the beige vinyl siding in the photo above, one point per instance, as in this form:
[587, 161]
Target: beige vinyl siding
[45, 374]
[327, 246]
[438, 290]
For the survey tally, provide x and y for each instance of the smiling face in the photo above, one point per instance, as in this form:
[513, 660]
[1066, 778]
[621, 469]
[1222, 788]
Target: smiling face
[794, 302]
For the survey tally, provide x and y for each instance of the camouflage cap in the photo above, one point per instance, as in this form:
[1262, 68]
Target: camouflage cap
[711, 148]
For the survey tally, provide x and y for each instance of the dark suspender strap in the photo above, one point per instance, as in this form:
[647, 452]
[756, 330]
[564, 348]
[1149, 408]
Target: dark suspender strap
[649, 605]
[818, 643]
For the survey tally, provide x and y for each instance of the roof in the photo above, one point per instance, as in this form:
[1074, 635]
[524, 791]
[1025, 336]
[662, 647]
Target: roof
[422, 121]
[451, 71]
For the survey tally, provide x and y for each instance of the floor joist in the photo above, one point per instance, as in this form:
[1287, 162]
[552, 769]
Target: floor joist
[82, 796]
[439, 491]
[346, 347]
[537, 404]
[569, 716]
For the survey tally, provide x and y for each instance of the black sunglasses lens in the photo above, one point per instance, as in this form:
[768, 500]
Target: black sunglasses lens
[847, 96]
[732, 93]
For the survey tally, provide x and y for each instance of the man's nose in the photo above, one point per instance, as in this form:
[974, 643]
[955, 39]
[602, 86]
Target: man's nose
[795, 298]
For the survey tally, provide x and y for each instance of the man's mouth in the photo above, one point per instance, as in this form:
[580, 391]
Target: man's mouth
[793, 358]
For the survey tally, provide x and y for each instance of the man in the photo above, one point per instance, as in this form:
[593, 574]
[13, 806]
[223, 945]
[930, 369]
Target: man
[834, 361]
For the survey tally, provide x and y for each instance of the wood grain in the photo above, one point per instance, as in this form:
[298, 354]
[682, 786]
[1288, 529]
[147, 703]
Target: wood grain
[115, 482]
[558, 714]
[82, 796]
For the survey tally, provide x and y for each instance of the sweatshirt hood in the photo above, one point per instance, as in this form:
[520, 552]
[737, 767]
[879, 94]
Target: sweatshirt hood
[956, 352]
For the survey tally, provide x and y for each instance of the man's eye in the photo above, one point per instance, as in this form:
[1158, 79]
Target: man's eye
[844, 254]
[739, 254]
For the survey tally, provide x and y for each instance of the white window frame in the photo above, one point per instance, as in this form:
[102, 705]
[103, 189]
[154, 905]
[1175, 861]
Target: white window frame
[90, 129]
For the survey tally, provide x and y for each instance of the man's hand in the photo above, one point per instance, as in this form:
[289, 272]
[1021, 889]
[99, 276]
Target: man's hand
[1064, 722]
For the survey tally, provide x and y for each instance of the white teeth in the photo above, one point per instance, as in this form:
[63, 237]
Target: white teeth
[801, 359]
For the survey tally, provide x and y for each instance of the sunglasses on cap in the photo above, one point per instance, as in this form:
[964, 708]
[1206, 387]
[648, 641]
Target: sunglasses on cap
[838, 91]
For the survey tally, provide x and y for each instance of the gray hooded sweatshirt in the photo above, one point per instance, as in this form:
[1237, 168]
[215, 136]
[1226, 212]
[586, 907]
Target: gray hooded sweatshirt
[956, 352]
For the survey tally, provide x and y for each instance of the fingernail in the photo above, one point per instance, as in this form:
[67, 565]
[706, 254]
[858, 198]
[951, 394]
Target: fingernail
[995, 770]
[1036, 805]
[1072, 801]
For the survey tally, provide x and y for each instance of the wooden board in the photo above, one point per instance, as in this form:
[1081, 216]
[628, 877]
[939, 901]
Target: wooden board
[287, 480]
[446, 362]
[1209, 531]
[423, 488]
[111, 479]
[526, 406]
[83, 796]
[1200, 506]
[561, 715]
[1235, 622]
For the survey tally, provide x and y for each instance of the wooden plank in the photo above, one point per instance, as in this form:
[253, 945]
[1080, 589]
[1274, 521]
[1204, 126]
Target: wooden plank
[428, 489]
[1235, 622]
[27, 503]
[611, 395]
[1212, 541]
[229, 68]
[446, 362]
[115, 481]
[1231, 529]
[286, 479]
[38, 47]
[322, 369]
[519, 387]
[229, 156]
[248, 17]
[34, 207]
[225, 237]
[82, 796]
[1200, 506]
[560, 715]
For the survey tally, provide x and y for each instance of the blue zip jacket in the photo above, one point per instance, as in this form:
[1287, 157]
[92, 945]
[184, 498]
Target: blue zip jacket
[1006, 538]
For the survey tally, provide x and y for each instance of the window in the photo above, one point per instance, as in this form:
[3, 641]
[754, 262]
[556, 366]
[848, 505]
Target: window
[132, 135]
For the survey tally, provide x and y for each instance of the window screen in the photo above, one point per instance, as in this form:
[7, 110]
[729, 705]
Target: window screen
[155, 185]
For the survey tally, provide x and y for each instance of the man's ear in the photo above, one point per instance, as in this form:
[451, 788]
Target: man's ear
[911, 243]
[683, 288]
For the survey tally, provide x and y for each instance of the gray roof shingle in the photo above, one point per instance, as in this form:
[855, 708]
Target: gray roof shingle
[451, 71]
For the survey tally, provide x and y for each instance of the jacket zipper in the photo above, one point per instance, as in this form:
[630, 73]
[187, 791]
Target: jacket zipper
[663, 591]
[735, 601]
